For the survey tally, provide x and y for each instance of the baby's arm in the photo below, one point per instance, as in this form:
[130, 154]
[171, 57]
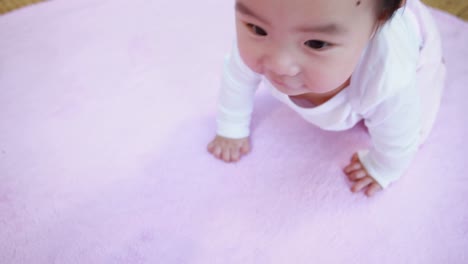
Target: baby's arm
[235, 107]
[394, 126]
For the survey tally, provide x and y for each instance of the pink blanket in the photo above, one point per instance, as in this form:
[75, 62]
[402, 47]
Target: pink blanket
[105, 111]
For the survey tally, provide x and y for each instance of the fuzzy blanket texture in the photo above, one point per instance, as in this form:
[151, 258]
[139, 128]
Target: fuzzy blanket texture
[106, 107]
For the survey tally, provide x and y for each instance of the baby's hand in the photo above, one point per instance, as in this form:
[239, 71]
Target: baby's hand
[360, 178]
[229, 149]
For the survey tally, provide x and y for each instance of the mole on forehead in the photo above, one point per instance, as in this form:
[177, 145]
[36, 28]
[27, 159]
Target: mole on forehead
[331, 28]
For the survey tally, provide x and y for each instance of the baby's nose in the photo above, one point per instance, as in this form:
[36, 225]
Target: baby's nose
[283, 64]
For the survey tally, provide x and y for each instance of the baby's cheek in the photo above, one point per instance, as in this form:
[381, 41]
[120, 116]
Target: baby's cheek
[250, 56]
[251, 61]
[256, 67]
[318, 81]
[329, 78]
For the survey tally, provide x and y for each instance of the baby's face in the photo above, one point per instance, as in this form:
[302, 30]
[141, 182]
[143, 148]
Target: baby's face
[304, 46]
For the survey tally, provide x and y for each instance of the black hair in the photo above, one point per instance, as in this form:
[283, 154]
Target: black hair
[387, 8]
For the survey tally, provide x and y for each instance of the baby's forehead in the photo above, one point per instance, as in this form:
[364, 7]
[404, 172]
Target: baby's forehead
[307, 8]
[327, 16]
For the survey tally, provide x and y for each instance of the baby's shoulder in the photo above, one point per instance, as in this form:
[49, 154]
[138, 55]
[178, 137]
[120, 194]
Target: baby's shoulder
[395, 45]
[387, 65]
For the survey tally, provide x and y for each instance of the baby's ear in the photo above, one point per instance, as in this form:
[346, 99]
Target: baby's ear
[387, 12]
[403, 3]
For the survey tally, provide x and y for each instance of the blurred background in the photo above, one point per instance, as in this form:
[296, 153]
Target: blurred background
[456, 7]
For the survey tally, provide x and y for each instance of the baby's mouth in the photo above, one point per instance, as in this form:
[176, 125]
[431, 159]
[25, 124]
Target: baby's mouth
[287, 85]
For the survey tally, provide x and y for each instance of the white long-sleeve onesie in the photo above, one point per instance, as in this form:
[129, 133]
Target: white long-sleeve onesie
[385, 91]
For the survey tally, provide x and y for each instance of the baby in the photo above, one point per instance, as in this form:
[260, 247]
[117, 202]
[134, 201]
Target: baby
[335, 63]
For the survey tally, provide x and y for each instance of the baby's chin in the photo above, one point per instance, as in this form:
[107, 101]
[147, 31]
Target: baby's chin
[300, 90]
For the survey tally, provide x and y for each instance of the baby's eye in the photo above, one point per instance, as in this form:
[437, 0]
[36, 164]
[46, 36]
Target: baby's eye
[316, 44]
[257, 30]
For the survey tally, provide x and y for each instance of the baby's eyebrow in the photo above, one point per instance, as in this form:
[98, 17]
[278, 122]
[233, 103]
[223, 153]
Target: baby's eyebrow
[331, 28]
[241, 8]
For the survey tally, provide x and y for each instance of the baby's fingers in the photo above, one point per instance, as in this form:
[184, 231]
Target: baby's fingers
[210, 147]
[245, 148]
[361, 184]
[373, 188]
[215, 150]
[226, 155]
[353, 166]
[357, 174]
[235, 155]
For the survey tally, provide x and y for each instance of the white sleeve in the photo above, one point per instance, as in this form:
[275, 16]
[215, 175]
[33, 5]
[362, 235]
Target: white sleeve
[394, 126]
[236, 96]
